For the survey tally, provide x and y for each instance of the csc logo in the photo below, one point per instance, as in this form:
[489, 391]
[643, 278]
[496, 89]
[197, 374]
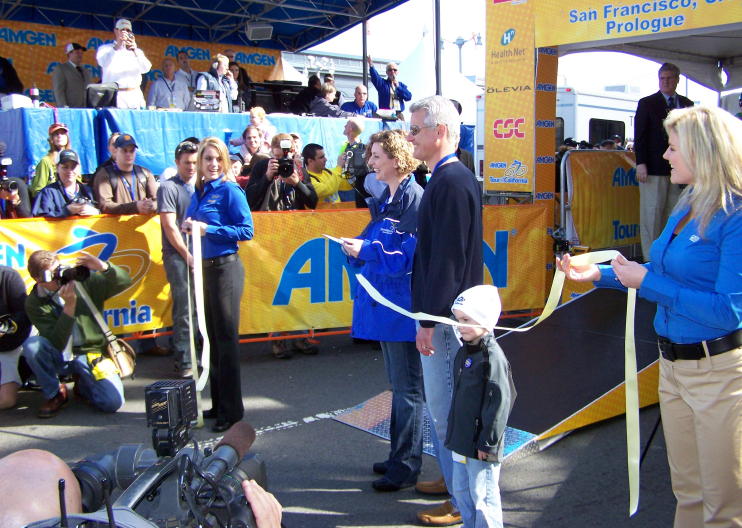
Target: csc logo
[509, 127]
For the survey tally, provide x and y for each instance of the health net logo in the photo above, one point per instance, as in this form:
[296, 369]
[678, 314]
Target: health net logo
[509, 127]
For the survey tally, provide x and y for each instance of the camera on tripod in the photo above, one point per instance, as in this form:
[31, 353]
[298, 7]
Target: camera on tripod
[285, 164]
[186, 487]
[6, 184]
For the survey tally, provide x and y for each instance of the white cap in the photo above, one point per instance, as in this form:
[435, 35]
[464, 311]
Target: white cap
[480, 303]
[123, 23]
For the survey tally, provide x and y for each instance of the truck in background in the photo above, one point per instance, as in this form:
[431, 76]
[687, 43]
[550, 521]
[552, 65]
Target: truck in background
[594, 116]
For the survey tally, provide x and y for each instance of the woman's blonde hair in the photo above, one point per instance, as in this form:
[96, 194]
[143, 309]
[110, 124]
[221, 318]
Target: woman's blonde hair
[221, 148]
[710, 142]
[395, 145]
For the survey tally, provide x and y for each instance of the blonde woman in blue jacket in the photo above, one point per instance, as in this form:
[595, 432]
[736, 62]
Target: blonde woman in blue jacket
[695, 277]
[384, 253]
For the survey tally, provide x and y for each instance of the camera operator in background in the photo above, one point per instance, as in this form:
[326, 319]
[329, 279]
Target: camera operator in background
[14, 329]
[276, 184]
[66, 196]
[70, 340]
[14, 199]
[124, 63]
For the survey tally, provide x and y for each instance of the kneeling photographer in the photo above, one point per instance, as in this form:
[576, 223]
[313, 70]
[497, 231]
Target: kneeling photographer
[70, 341]
[276, 184]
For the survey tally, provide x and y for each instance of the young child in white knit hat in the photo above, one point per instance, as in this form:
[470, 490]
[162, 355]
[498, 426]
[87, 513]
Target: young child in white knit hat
[483, 396]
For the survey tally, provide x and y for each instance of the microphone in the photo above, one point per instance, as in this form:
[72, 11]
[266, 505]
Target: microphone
[236, 443]
[348, 157]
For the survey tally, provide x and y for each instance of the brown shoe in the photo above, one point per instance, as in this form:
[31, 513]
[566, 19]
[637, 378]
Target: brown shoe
[442, 515]
[281, 350]
[432, 487]
[52, 406]
[305, 346]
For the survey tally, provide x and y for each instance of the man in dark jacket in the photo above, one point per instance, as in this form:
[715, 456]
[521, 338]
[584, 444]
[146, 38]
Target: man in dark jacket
[14, 329]
[303, 100]
[448, 260]
[269, 190]
[657, 195]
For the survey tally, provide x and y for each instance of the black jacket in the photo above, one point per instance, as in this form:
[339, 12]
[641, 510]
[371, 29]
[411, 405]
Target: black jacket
[650, 138]
[264, 195]
[483, 396]
[13, 303]
[303, 100]
[448, 258]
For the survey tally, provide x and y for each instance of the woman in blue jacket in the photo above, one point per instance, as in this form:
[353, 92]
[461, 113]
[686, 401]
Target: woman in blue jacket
[384, 253]
[219, 213]
[695, 277]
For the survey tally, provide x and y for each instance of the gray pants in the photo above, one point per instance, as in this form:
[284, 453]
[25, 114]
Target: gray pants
[177, 272]
[657, 198]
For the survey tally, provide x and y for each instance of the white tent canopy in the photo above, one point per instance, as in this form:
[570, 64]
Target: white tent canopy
[700, 53]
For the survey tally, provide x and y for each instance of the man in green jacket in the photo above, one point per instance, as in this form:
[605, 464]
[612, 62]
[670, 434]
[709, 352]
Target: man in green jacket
[70, 340]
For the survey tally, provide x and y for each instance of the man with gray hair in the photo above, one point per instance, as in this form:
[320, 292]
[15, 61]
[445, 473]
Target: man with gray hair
[448, 260]
[657, 196]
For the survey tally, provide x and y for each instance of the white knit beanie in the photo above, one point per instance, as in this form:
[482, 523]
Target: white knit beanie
[480, 303]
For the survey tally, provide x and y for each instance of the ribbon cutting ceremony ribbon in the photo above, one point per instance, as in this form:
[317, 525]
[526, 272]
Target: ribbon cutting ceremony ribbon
[198, 286]
[631, 382]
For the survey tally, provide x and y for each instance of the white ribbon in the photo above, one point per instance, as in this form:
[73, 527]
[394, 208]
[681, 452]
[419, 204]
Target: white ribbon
[198, 286]
[631, 383]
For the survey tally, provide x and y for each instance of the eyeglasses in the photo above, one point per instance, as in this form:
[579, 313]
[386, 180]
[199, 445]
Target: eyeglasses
[185, 146]
[415, 130]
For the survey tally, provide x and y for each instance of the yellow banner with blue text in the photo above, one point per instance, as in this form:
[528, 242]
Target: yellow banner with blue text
[560, 22]
[604, 198]
[295, 278]
[509, 100]
[36, 49]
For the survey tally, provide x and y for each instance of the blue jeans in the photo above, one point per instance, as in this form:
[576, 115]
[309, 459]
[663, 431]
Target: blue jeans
[403, 368]
[438, 376]
[177, 272]
[477, 492]
[47, 364]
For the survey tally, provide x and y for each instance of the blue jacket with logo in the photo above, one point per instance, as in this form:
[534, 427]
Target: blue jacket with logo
[385, 260]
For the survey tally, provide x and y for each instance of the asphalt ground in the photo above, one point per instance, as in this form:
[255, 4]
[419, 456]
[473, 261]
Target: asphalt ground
[320, 469]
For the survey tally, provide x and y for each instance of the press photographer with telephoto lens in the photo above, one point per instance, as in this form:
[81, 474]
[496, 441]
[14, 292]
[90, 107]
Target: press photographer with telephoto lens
[70, 341]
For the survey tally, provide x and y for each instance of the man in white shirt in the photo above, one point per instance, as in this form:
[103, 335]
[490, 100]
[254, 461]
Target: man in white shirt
[185, 71]
[169, 91]
[124, 63]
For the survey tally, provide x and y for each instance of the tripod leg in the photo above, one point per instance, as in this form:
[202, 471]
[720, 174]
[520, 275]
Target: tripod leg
[651, 437]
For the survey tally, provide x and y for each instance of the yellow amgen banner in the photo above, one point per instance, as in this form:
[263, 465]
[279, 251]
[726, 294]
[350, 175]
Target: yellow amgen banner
[36, 49]
[564, 22]
[509, 116]
[604, 198]
[295, 279]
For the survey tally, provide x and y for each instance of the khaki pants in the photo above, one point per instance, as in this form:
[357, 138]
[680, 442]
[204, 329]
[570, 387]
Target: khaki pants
[657, 198]
[701, 407]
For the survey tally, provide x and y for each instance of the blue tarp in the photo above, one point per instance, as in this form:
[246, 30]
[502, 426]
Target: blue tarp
[157, 134]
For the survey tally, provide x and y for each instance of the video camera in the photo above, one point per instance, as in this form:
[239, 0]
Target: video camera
[171, 485]
[6, 184]
[285, 164]
[64, 274]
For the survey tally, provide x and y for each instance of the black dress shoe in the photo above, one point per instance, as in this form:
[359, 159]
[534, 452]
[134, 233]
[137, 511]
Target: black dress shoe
[220, 427]
[209, 414]
[384, 484]
[380, 468]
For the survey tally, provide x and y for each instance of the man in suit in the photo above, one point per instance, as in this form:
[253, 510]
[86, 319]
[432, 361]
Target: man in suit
[70, 79]
[657, 195]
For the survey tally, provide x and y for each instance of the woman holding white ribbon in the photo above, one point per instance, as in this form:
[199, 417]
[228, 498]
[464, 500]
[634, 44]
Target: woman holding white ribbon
[220, 215]
[384, 253]
[695, 277]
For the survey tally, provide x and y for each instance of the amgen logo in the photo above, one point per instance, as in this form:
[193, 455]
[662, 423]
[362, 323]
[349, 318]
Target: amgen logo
[507, 37]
